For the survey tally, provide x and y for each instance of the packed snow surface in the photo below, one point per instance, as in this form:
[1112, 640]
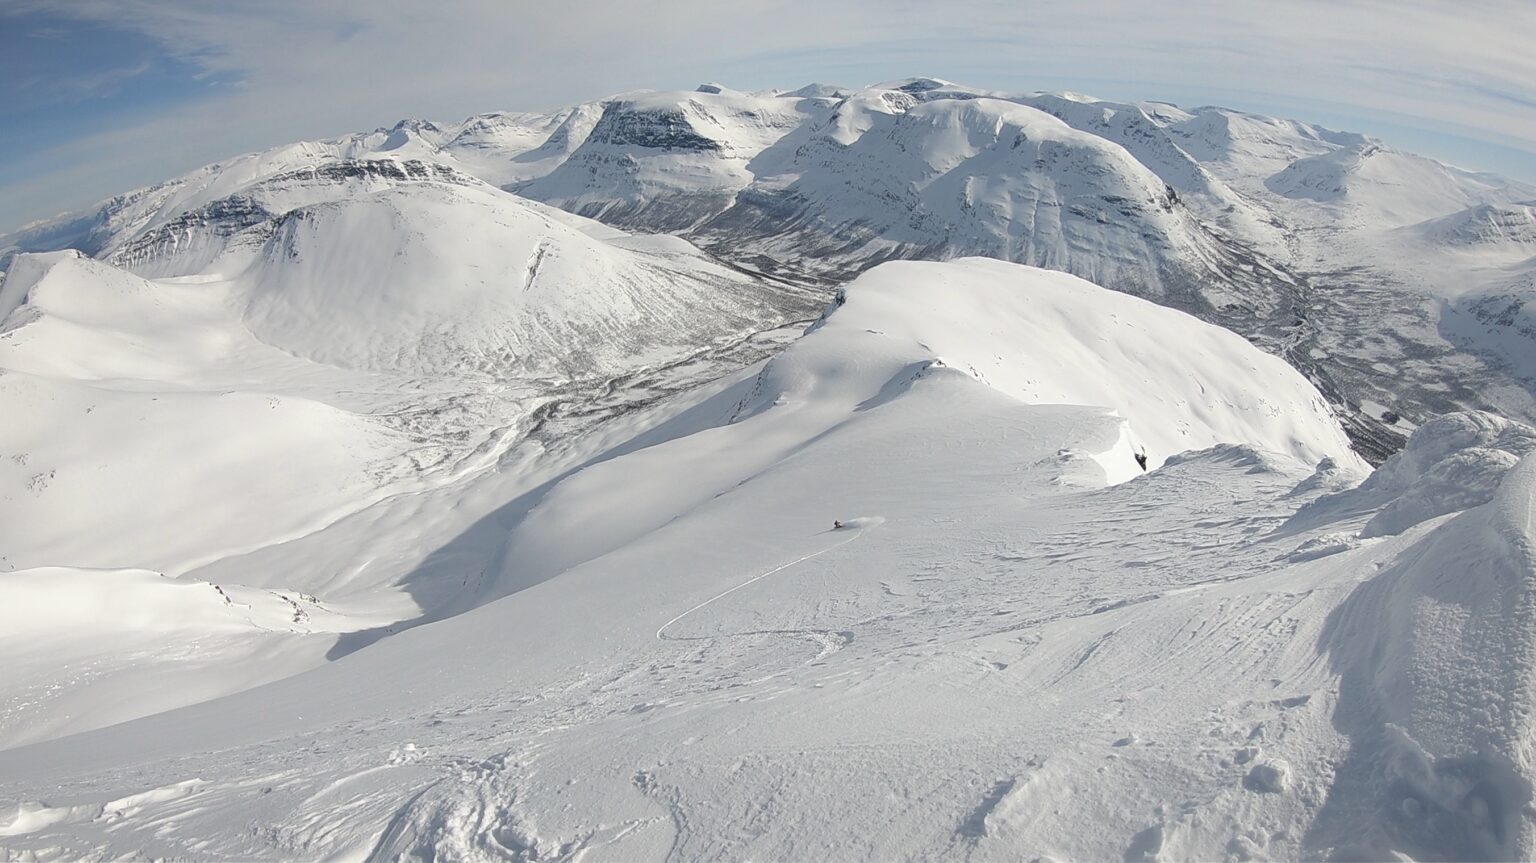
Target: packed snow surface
[657, 645]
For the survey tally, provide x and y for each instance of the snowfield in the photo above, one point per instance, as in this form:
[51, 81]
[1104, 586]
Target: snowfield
[656, 645]
[715, 475]
[226, 427]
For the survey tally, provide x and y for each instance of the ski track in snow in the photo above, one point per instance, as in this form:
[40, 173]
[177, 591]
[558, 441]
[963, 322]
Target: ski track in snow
[751, 581]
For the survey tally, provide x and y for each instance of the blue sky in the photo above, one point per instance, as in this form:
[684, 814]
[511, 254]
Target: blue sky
[101, 96]
[63, 80]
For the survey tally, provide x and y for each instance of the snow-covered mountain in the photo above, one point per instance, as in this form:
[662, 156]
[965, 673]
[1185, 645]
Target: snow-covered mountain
[614, 481]
[344, 360]
[668, 161]
[1288, 233]
[678, 653]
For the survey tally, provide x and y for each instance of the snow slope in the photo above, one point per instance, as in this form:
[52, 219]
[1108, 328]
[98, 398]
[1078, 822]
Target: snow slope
[236, 432]
[365, 510]
[439, 278]
[1436, 691]
[1386, 187]
[1510, 228]
[681, 656]
[1052, 338]
[948, 178]
[130, 441]
[1049, 338]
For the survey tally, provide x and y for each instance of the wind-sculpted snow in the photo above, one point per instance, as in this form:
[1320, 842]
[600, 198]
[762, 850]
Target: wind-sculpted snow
[1437, 657]
[1452, 463]
[1050, 338]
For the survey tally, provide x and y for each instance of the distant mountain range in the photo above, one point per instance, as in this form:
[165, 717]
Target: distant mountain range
[1399, 285]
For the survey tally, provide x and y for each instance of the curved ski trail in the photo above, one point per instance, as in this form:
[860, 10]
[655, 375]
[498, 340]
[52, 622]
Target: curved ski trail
[858, 532]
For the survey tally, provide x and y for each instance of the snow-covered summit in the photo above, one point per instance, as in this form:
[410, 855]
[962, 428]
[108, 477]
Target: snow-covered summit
[1506, 228]
[1387, 187]
[667, 161]
[1045, 337]
[437, 277]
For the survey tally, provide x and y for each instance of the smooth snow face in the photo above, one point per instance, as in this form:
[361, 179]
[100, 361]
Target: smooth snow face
[86, 648]
[125, 444]
[1235, 138]
[439, 278]
[1389, 187]
[1051, 338]
[1510, 228]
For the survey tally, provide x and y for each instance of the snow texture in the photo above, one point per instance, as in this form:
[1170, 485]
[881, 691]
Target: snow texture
[361, 508]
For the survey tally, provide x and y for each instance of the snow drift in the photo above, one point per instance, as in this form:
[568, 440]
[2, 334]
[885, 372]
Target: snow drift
[1453, 463]
[1438, 657]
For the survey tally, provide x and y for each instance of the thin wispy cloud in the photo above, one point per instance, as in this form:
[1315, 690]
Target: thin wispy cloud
[256, 75]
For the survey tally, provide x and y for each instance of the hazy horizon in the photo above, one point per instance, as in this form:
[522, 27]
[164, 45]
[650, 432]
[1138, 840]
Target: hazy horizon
[104, 97]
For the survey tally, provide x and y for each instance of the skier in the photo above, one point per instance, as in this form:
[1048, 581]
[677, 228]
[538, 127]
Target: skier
[1141, 458]
[837, 525]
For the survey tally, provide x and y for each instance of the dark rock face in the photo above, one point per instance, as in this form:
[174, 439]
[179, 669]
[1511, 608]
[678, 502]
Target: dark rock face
[218, 220]
[193, 239]
[374, 169]
[625, 125]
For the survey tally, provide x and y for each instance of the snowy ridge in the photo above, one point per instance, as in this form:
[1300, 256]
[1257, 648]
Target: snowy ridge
[668, 161]
[1051, 338]
[1259, 224]
[1436, 693]
[1387, 187]
[1507, 227]
[950, 178]
[631, 684]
